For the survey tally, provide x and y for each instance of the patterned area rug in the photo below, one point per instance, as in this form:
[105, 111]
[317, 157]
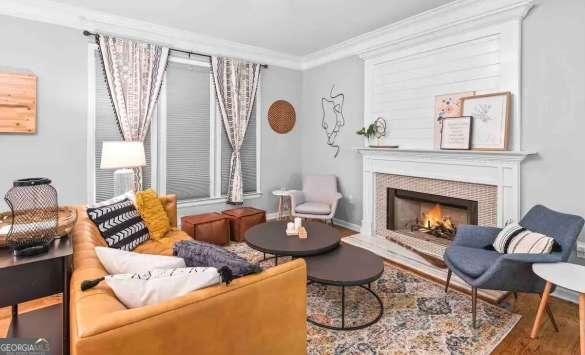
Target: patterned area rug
[418, 316]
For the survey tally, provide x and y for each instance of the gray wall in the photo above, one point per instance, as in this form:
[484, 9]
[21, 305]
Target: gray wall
[58, 56]
[553, 118]
[317, 157]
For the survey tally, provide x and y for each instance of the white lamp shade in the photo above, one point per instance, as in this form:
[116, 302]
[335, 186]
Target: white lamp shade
[116, 155]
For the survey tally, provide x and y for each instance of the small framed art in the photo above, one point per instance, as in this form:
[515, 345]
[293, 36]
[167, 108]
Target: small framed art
[447, 105]
[456, 133]
[491, 120]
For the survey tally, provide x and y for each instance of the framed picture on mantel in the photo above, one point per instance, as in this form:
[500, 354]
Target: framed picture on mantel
[456, 133]
[491, 120]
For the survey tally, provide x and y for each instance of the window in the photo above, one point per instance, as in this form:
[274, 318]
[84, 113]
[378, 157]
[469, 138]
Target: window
[187, 150]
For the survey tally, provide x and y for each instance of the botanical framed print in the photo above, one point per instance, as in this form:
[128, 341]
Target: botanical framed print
[491, 120]
[448, 105]
[456, 133]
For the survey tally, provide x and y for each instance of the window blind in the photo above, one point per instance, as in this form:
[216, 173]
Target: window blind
[106, 129]
[188, 131]
[247, 154]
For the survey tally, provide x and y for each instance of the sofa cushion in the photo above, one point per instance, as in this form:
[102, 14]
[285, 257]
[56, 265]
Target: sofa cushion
[120, 225]
[313, 208]
[471, 261]
[163, 246]
[153, 213]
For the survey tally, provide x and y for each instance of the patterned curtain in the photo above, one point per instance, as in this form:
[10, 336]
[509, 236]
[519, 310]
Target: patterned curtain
[236, 83]
[134, 72]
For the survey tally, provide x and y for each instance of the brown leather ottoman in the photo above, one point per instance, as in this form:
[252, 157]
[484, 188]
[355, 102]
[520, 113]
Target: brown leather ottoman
[243, 218]
[208, 227]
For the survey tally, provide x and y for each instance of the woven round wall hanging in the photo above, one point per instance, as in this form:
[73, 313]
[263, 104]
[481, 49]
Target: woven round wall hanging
[281, 116]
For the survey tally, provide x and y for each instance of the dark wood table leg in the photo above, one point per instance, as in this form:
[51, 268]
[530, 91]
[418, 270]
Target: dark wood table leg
[342, 307]
[275, 260]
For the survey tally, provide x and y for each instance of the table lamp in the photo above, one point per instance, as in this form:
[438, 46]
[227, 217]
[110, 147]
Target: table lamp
[123, 156]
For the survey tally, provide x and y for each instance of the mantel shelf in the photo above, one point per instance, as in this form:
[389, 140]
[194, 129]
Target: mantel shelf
[478, 154]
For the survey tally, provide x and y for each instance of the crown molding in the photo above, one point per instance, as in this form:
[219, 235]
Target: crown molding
[457, 14]
[451, 16]
[97, 21]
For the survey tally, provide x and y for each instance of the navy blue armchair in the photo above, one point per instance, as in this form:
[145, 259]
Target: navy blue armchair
[472, 258]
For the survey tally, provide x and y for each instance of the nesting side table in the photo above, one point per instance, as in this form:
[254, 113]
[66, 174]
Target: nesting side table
[567, 275]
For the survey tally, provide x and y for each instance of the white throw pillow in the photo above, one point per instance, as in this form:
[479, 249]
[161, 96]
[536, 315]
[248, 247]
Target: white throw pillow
[117, 261]
[128, 195]
[515, 239]
[155, 286]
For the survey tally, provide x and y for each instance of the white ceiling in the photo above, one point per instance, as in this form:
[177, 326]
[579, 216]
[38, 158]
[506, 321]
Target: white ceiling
[296, 27]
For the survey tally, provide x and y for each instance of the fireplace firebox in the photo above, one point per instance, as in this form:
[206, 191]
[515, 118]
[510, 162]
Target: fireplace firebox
[428, 215]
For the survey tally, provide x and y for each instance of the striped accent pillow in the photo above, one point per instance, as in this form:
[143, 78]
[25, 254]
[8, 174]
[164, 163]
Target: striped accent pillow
[515, 239]
[120, 225]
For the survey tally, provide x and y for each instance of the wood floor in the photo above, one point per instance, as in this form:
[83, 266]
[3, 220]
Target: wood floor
[517, 342]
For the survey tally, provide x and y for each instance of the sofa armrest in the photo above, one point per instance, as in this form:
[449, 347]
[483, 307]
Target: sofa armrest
[257, 314]
[475, 236]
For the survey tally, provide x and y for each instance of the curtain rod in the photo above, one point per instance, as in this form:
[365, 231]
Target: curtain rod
[87, 33]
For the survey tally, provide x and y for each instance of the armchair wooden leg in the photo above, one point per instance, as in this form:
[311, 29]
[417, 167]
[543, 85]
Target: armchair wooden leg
[474, 306]
[541, 310]
[449, 272]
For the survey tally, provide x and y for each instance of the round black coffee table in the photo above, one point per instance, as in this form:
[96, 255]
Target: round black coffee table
[346, 266]
[271, 238]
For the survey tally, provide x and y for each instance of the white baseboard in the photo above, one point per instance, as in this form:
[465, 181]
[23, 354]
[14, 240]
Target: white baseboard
[271, 216]
[340, 222]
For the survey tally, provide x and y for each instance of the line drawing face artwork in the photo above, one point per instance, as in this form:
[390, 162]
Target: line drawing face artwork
[332, 119]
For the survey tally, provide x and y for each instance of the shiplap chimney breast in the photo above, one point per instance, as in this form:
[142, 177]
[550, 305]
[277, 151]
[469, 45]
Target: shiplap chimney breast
[477, 50]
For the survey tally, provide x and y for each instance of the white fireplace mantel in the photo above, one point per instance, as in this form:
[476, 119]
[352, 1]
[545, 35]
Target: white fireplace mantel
[497, 168]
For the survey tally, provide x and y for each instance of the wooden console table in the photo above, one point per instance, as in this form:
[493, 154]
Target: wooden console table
[26, 279]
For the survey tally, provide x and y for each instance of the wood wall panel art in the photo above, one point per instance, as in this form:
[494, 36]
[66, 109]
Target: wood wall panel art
[18, 103]
[281, 116]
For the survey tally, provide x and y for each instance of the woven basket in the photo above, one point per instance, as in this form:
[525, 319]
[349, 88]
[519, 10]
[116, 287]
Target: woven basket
[281, 116]
[67, 218]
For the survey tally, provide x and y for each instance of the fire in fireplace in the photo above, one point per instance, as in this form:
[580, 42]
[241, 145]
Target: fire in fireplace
[434, 215]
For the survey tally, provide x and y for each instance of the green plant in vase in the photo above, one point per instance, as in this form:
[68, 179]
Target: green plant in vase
[376, 129]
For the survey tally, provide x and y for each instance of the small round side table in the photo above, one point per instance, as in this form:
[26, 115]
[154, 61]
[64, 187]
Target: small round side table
[283, 204]
[567, 275]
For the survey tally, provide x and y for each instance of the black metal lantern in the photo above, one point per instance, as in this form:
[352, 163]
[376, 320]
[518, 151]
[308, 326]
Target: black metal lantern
[35, 216]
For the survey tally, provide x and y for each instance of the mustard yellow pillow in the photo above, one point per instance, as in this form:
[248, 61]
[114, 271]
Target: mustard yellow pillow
[152, 212]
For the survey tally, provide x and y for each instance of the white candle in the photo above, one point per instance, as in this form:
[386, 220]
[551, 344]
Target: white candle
[298, 223]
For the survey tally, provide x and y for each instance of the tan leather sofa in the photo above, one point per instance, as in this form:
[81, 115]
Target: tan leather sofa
[257, 314]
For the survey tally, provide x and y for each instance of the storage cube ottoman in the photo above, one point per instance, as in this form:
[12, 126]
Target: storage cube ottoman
[243, 218]
[208, 227]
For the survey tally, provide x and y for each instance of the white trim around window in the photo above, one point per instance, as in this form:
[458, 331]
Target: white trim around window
[159, 139]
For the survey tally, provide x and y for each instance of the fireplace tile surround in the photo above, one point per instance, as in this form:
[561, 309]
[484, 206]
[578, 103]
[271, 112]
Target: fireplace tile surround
[485, 195]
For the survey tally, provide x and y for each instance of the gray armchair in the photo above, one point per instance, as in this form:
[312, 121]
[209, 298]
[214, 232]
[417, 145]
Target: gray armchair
[472, 258]
[317, 200]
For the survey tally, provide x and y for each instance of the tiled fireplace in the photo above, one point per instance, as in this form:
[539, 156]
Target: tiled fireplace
[423, 213]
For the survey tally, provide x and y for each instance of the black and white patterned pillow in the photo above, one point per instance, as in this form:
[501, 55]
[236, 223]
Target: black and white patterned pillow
[120, 225]
[514, 239]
